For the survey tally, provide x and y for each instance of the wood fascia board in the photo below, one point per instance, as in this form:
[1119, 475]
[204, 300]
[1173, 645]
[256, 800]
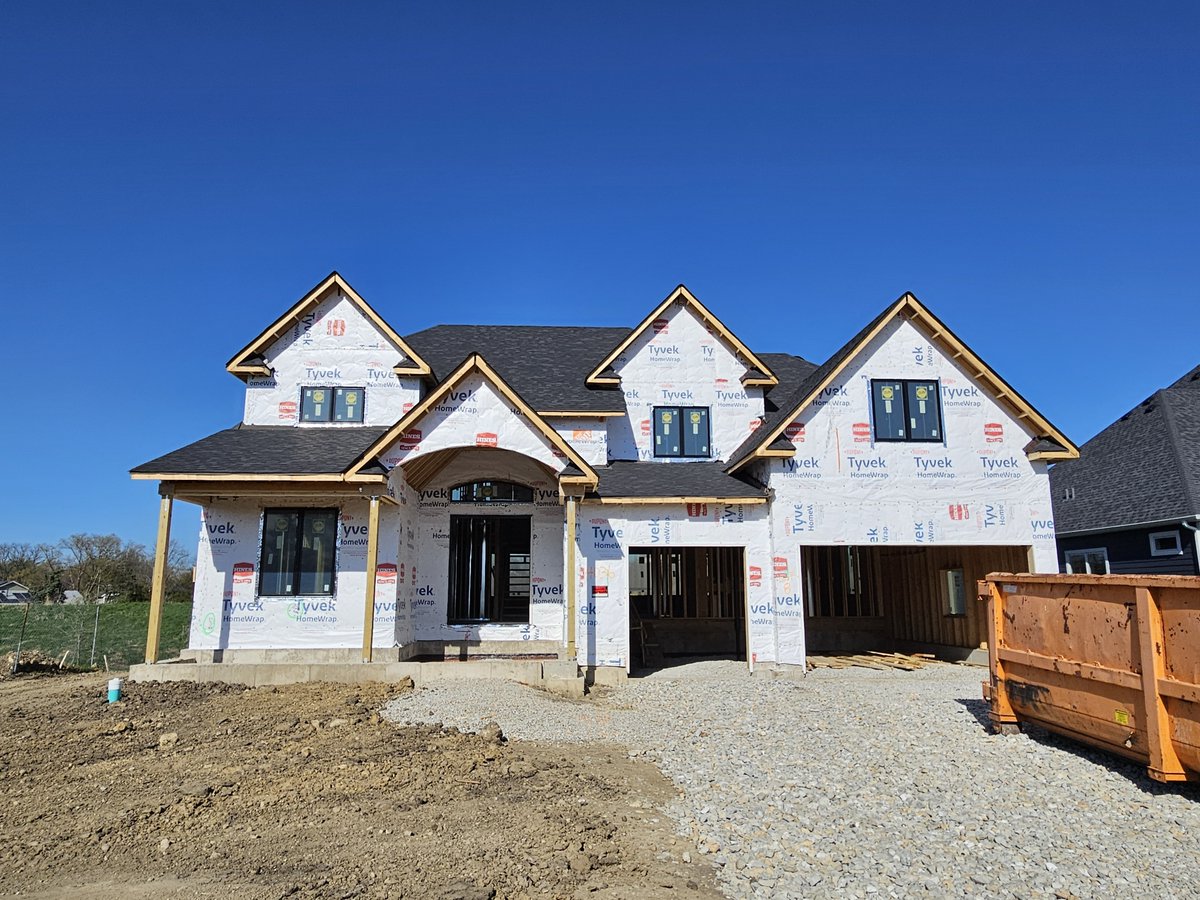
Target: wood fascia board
[558, 414]
[682, 293]
[937, 331]
[475, 363]
[237, 365]
[775, 433]
[644, 501]
[1052, 455]
[1002, 391]
[324, 478]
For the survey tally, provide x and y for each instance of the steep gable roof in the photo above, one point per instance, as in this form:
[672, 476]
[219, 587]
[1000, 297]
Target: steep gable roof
[249, 360]
[788, 407]
[1142, 469]
[758, 372]
[473, 364]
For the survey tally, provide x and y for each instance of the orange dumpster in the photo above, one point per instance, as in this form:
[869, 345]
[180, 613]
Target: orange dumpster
[1109, 660]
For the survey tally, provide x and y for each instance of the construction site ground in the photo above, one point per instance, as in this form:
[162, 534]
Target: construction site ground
[203, 790]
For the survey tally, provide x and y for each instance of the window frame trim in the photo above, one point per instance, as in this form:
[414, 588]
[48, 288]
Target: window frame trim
[1084, 552]
[681, 410]
[905, 382]
[262, 538]
[333, 389]
[1178, 551]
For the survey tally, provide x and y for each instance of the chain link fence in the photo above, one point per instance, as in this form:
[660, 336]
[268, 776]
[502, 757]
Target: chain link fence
[109, 635]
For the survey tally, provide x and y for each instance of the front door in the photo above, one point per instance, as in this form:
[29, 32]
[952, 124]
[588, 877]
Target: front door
[489, 569]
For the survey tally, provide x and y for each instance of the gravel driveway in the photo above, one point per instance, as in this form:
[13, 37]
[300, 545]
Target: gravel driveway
[857, 782]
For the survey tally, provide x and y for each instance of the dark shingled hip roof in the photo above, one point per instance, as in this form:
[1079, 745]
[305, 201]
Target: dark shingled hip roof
[1141, 469]
[636, 480]
[546, 365]
[268, 450]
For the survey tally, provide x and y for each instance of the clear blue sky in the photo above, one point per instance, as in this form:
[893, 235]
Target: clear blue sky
[176, 174]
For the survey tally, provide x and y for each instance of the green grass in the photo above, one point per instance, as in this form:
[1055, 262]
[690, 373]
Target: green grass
[120, 632]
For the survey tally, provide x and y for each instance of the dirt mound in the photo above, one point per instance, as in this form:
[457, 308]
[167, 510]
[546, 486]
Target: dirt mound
[187, 790]
[33, 663]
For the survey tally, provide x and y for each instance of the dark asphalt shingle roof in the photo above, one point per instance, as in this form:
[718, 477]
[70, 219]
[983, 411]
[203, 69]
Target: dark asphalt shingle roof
[1144, 467]
[787, 398]
[657, 479]
[268, 450]
[546, 365]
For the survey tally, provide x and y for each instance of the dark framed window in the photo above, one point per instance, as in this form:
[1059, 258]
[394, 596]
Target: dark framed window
[490, 569]
[491, 492]
[299, 550]
[907, 410]
[681, 431]
[331, 404]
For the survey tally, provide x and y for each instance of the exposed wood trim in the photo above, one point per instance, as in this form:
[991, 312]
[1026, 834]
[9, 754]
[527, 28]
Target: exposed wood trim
[570, 578]
[372, 568]
[682, 295]
[642, 501]
[237, 365]
[475, 363]
[916, 311]
[158, 578]
[558, 414]
[242, 476]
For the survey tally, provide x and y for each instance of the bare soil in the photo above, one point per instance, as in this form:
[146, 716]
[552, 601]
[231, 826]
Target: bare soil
[197, 791]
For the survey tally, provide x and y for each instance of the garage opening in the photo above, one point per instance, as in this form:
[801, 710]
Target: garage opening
[686, 601]
[905, 599]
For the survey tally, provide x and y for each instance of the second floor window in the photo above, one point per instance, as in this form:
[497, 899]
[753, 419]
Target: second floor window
[681, 431]
[907, 411]
[331, 404]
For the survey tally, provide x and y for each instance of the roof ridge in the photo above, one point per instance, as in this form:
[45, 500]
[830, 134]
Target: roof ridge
[1173, 434]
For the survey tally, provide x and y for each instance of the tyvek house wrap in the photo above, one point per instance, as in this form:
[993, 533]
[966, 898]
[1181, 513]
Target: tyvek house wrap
[678, 362]
[474, 414]
[227, 612]
[335, 345]
[546, 601]
[494, 441]
[605, 534]
[977, 487]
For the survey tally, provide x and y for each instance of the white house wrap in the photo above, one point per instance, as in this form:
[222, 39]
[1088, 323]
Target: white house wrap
[723, 501]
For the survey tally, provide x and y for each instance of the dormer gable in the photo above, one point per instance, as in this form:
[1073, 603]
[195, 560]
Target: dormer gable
[300, 321]
[1047, 442]
[475, 408]
[757, 373]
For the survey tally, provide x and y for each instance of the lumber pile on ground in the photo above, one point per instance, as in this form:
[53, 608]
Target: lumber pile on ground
[874, 659]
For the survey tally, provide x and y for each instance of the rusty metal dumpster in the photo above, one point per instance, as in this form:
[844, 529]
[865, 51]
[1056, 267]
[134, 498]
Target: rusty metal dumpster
[1109, 660]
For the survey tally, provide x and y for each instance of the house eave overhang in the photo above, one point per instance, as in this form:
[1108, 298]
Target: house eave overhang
[912, 309]
[244, 363]
[758, 372]
[472, 364]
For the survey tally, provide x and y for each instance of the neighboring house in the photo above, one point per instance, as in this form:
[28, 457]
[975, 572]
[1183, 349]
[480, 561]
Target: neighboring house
[605, 494]
[14, 592]
[1131, 502]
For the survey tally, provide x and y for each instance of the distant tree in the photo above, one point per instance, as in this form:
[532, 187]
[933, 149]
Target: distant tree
[37, 566]
[103, 567]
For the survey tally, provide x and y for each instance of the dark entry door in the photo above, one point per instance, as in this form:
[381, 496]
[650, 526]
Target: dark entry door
[489, 569]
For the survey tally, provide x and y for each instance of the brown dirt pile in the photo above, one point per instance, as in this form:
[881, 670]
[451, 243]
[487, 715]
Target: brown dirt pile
[186, 790]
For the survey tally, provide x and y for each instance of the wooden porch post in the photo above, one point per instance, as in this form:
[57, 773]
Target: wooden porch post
[570, 577]
[372, 561]
[158, 580]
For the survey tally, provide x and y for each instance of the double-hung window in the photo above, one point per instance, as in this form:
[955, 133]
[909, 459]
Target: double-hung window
[299, 549]
[681, 431]
[331, 404]
[907, 410]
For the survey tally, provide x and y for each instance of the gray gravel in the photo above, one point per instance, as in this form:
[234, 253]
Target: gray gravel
[860, 783]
